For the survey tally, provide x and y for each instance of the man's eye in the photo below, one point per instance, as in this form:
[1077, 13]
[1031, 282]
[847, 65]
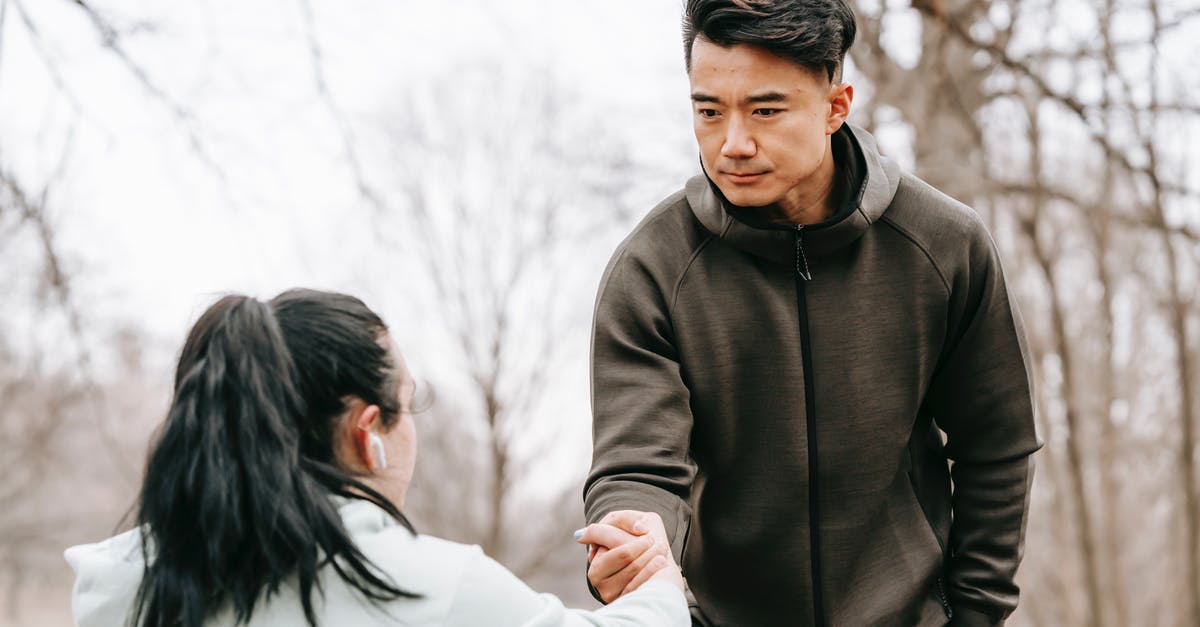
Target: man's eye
[707, 113]
[766, 113]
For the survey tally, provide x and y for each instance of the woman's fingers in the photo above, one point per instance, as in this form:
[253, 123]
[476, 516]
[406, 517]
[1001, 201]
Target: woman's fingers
[613, 570]
[626, 548]
[656, 563]
[604, 535]
[630, 521]
[618, 558]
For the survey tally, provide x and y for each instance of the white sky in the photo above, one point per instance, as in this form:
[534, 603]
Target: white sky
[150, 231]
[149, 228]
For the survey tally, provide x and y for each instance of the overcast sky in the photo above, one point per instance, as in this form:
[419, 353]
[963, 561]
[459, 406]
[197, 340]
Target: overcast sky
[237, 177]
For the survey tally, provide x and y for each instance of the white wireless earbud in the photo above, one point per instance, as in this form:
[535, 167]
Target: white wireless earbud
[377, 444]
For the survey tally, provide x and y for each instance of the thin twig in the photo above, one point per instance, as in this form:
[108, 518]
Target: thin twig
[51, 65]
[110, 38]
[57, 280]
[3, 16]
[339, 116]
[1088, 207]
[1086, 113]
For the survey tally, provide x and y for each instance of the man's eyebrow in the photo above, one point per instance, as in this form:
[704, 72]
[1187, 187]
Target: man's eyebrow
[770, 96]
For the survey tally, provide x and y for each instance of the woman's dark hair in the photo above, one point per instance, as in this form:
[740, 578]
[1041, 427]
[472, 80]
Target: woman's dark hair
[236, 493]
[812, 33]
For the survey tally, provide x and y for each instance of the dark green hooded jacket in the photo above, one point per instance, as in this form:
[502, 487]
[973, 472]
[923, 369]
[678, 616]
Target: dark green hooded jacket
[779, 394]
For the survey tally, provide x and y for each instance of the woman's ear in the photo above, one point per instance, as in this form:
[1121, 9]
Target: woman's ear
[364, 419]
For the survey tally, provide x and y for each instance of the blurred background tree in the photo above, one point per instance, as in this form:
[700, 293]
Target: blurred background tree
[1071, 127]
[467, 167]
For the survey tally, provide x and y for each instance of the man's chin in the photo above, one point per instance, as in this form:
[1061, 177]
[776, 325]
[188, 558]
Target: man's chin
[741, 198]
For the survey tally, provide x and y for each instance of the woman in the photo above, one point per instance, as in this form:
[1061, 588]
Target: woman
[272, 495]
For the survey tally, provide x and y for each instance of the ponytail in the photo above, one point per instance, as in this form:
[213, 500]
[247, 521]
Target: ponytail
[229, 508]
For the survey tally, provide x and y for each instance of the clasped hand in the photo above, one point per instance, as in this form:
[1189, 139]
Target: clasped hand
[626, 549]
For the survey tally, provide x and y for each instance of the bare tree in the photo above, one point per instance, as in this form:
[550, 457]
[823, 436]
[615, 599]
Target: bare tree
[1060, 141]
[68, 471]
[502, 195]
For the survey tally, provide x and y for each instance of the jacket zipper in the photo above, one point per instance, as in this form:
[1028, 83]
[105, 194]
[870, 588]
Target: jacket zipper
[803, 275]
[941, 589]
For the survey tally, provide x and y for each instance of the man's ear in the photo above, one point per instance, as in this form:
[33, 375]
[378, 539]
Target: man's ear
[841, 95]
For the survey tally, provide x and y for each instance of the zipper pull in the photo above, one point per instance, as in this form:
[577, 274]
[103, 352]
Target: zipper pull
[801, 260]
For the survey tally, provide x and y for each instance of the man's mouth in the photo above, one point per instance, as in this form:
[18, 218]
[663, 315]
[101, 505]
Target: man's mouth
[743, 177]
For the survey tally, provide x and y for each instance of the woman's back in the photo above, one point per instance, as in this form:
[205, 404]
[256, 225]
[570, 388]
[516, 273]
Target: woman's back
[458, 586]
[278, 407]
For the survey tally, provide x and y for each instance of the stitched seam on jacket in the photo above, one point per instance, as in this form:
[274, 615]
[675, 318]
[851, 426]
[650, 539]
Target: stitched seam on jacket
[912, 238]
[663, 212]
[865, 215]
[692, 260]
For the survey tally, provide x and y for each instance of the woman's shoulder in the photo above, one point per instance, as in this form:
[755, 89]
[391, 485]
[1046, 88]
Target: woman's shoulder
[393, 546]
[429, 557]
[107, 575]
[461, 586]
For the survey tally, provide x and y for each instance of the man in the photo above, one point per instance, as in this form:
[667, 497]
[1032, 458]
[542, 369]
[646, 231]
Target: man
[779, 347]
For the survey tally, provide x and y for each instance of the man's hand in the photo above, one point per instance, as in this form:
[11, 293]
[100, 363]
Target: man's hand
[627, 549]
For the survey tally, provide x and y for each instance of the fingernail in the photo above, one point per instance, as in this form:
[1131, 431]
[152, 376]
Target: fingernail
[579, 533]
[639, 527]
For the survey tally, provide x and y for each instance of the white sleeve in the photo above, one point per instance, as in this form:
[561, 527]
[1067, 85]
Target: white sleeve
[488, 594]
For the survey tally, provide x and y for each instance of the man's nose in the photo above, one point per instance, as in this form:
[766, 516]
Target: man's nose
[738, 142]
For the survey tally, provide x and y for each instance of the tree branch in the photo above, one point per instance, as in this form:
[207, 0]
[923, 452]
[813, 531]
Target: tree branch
[1021, 67]
[56, 279]
[349, 144]
[3, 16]
[110, 38]
[1089, 208]
[39, 48]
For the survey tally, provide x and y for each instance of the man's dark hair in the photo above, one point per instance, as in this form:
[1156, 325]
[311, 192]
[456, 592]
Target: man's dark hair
[812, 33]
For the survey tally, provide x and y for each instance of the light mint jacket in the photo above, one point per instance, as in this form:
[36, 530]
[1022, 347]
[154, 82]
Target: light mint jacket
[460, 586]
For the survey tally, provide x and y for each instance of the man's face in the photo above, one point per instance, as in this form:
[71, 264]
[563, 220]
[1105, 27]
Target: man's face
[763, 122]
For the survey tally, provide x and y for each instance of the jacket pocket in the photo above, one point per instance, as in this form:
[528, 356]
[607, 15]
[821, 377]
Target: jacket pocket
[939, 584]
[919, 469]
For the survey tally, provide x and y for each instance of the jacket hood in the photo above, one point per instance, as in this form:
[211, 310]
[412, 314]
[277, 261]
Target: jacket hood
[107, 575]
[880, 177]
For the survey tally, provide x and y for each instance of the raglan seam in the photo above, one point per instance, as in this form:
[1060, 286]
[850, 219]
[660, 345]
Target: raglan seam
[885, 219]
[623, 251]
[688, 266]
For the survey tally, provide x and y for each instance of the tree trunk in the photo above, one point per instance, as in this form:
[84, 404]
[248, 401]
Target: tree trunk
[1083, 510]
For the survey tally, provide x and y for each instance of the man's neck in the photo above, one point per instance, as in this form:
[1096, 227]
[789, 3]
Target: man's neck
[814, 200]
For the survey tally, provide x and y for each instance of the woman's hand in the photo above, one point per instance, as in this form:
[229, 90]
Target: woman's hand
[628, 548]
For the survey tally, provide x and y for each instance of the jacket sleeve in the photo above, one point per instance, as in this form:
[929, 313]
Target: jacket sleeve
[488, 594]
[642, 420]
[982, 397]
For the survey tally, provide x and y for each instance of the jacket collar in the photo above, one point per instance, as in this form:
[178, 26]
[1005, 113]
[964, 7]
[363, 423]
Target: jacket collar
[739, 227]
